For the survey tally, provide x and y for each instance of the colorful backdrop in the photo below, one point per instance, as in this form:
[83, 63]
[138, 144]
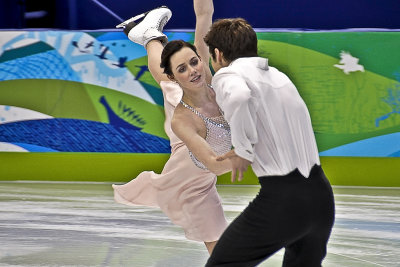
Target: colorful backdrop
[80, 105]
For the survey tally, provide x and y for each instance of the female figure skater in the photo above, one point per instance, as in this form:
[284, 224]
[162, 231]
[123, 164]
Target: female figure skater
[185, 190]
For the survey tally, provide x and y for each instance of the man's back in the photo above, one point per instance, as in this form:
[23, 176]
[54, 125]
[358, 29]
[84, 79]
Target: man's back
[284, 137]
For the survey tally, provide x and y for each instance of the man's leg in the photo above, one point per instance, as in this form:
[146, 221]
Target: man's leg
[275, 218]
[241, 244]
[310, 250]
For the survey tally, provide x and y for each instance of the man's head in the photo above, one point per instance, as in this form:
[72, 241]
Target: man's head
[229, 39]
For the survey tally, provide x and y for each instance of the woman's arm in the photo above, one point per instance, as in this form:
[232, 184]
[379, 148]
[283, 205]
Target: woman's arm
[203, 10]
[185, 129]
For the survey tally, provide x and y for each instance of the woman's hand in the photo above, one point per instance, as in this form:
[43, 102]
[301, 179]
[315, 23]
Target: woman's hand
[239, 165]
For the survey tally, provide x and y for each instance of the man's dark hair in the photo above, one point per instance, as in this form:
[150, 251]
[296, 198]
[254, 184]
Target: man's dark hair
[234, 37]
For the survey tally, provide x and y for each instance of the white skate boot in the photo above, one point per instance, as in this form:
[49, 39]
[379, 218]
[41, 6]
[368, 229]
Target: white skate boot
[149, 28]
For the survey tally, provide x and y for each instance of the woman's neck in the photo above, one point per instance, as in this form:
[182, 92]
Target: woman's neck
[199, 98]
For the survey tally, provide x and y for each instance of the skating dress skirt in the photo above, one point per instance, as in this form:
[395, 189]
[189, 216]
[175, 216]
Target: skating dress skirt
[183, 191]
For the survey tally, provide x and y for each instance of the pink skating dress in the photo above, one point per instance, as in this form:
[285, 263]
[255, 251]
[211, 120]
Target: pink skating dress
[183, 191]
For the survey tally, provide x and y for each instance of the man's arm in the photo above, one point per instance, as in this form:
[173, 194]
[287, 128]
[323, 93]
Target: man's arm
[239, 106]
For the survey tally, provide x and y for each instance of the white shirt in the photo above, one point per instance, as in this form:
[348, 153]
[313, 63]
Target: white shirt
[270, 123]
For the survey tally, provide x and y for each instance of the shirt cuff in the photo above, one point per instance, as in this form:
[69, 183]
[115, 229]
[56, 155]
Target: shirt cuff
[246, 154]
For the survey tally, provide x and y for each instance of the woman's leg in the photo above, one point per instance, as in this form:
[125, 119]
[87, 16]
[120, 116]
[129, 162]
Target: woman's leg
[210, 246]
[154, 49]
[148, 33]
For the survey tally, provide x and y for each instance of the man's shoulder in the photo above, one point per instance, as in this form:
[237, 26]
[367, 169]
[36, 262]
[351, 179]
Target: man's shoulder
[246, 67]
[247, 70]
[235, 68]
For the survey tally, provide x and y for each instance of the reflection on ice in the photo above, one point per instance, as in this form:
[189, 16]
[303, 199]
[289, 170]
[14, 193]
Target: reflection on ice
[78, 224]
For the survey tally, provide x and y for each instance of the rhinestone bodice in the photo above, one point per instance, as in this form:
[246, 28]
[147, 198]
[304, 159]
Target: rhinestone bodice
[218, 134]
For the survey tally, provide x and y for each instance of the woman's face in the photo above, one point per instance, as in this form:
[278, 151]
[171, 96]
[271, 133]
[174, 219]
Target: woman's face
[187, 68]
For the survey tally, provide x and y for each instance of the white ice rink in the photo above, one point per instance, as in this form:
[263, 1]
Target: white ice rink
[79, 224]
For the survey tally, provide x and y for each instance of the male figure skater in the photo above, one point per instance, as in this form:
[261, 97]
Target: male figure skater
[271, 130]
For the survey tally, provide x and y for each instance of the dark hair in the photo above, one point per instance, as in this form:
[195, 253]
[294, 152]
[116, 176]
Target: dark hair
[169, 50]
[235, 38]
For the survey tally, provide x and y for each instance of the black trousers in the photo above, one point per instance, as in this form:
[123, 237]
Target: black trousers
[290, 212]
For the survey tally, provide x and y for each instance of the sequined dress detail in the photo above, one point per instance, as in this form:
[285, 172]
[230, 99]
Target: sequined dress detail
[218, 134]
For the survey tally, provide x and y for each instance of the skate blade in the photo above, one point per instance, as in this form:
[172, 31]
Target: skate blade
[126, 22]
[123, 24]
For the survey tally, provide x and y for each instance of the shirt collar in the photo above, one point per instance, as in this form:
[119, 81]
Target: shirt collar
[260, 62]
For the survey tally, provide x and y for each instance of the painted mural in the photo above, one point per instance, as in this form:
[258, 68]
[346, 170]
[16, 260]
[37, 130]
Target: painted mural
[74, 91]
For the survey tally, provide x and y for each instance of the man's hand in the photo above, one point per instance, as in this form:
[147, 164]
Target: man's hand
[239, 165]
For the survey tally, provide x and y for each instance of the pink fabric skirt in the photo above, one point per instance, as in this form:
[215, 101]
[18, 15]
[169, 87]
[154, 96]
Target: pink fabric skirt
[184, 192]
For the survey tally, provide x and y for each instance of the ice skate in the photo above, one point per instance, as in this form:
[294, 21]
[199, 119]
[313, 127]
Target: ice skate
[149, 28]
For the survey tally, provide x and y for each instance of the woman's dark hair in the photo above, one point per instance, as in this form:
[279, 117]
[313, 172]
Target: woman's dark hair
[169, 50]
[235, 38]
